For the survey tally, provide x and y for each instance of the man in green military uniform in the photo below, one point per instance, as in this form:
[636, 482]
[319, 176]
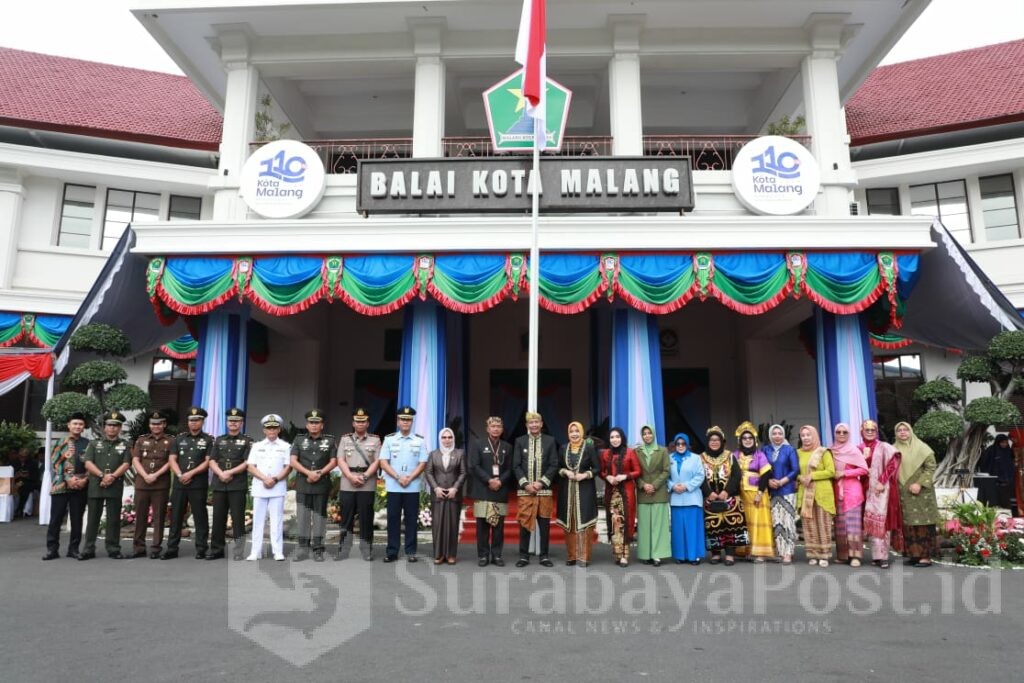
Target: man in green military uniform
[229, 485]
[151, 459]
[106, 460]
[357, 458]
[189, 462]
[313, 458]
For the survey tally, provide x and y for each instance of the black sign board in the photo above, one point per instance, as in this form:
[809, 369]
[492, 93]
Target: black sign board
[505, 184]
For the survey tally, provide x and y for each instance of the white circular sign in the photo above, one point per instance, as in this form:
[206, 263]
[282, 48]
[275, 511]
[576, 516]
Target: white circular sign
[775, 175]
[283, 179]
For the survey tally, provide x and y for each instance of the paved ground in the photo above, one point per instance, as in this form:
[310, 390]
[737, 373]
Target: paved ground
[352, 620]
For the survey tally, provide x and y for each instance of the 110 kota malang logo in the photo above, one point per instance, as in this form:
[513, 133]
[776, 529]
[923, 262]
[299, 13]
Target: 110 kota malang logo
[785, 165]
[290, 170]
[283, 179]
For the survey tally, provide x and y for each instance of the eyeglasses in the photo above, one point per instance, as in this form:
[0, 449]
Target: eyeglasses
[842, 431]
[747, 437]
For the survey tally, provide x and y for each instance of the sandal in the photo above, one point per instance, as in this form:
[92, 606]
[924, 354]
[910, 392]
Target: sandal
[439, 560]
[855, 562]
[715, 559]
[923, 565]
[729, 562]
[786, 563]
[758, 560]
[883, 564]
[813, 563]
[822, 563]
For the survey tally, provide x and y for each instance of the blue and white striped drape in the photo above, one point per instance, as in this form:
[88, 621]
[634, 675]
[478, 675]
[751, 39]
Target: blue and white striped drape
[846, 381]
[422, 374]
[222, 366]
[636, 392]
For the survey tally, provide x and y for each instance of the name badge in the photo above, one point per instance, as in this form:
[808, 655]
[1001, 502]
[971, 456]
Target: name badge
[494, 470]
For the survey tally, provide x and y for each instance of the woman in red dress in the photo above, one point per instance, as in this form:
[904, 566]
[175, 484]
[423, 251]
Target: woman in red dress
[620, 468]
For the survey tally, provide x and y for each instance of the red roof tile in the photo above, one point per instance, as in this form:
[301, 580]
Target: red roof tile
[89, 98]
[955, 91]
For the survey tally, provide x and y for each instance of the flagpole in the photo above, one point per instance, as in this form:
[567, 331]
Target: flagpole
[532, 363]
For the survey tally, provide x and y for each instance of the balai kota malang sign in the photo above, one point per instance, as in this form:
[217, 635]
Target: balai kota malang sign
[506, 184]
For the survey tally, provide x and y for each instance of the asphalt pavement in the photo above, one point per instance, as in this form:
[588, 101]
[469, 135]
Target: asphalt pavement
[352, 620]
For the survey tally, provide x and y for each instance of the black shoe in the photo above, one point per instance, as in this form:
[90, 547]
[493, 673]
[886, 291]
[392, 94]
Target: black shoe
[239, 555]
[169, 555]
[51, 555]
[318, 556]
[138, 553]
[154, 555]
[215, 556]
[116, 555]
[301, 556]
[568, 563]
[545, 562]
[412, 558]
[648, 562]
[656, 563]
[498, 562]
[73, 554]
[86, 556]
[482, 562]
[695, 563]
[389, 558]
[200, 554]
[522, 562]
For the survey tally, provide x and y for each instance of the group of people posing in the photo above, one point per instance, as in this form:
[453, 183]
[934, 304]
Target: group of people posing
[670, 502]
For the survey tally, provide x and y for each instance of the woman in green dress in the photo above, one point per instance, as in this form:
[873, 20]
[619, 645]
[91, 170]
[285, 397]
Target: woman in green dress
[653, 539]
[917, 496]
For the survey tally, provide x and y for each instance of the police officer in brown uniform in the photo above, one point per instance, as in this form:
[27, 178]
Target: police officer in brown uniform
[151, 459]
[106, 460]
[189, 462]
[313, 458]
[229, 485]
[357, 458]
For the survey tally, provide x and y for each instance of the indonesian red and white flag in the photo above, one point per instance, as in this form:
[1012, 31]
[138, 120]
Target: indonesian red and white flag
[532, 54]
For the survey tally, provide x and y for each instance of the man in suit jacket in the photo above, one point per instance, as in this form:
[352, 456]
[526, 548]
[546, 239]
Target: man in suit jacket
[534, 466]
[490, 481]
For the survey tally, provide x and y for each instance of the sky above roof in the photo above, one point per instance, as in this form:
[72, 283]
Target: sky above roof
[106, 32]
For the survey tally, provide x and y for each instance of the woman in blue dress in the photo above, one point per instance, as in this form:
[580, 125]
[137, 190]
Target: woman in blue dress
[686, 474]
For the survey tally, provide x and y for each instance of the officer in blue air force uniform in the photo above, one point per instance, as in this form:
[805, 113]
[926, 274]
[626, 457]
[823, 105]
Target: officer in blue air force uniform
[403, 457]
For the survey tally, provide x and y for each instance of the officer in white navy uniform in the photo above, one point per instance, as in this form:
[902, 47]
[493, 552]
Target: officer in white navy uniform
[403, 457]
[269, 465]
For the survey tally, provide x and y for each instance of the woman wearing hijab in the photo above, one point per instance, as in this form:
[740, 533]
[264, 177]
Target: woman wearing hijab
[724, 525]
[815, 498]
[850, 479]
[917, 496]
[620, 468]
[653, 540]
[686, 500]
[577, 495]
[997, 460]
[445, 473]
[782, 491]
[754, 492]
[882, 517]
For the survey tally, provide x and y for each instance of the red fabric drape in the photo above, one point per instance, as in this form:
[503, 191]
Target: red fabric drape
[39, 365]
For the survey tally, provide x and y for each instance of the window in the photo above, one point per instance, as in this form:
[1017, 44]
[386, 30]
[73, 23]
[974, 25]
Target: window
[999, 208]
[76, 215]
[946, 201]
[124, 207]
[883, 201]
[184, 208]
[897, 367]
[167, 370]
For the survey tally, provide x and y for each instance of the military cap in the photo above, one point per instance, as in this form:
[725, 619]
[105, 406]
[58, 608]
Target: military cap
[195, 412]
[406, 411]
[315, 415]
[360, 415]
[272, 420]
[234, 414]
[156, 416]
[113, 417]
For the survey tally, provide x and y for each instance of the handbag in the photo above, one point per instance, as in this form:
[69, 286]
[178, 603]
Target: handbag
[718, 506]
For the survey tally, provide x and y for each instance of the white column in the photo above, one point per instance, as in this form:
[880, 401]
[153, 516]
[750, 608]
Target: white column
[973, 188]
[428, 96]
[625, 115]
[12, 194]
[826, 123]
[240, 102]
[1018, 198]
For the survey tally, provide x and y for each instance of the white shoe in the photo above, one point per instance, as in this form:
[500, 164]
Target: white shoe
[279, 558]
[251, 558]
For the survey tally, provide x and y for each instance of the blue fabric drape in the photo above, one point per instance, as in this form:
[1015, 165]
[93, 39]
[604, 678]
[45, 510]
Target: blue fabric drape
[53, 324]
[283, 271]
[846, 381]
[9, 319]
[909, 267]
[636, 391]
[379, 270]
[422, 373]
[749, 268]
[656, 269]
[469, 269]
[222, 366]
[841, 267]
[567, 269]
[198, 272]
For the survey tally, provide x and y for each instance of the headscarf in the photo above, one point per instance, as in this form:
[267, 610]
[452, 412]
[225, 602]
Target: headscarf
[644, 447]
[677, 457]
[817, 453]
[913, 453]
[440, 444]
[869, 443]
[715, 430]
[575, 445]
[618, 454]
[746, 427]
[846, 453]
[998, 459]
[771, 443]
